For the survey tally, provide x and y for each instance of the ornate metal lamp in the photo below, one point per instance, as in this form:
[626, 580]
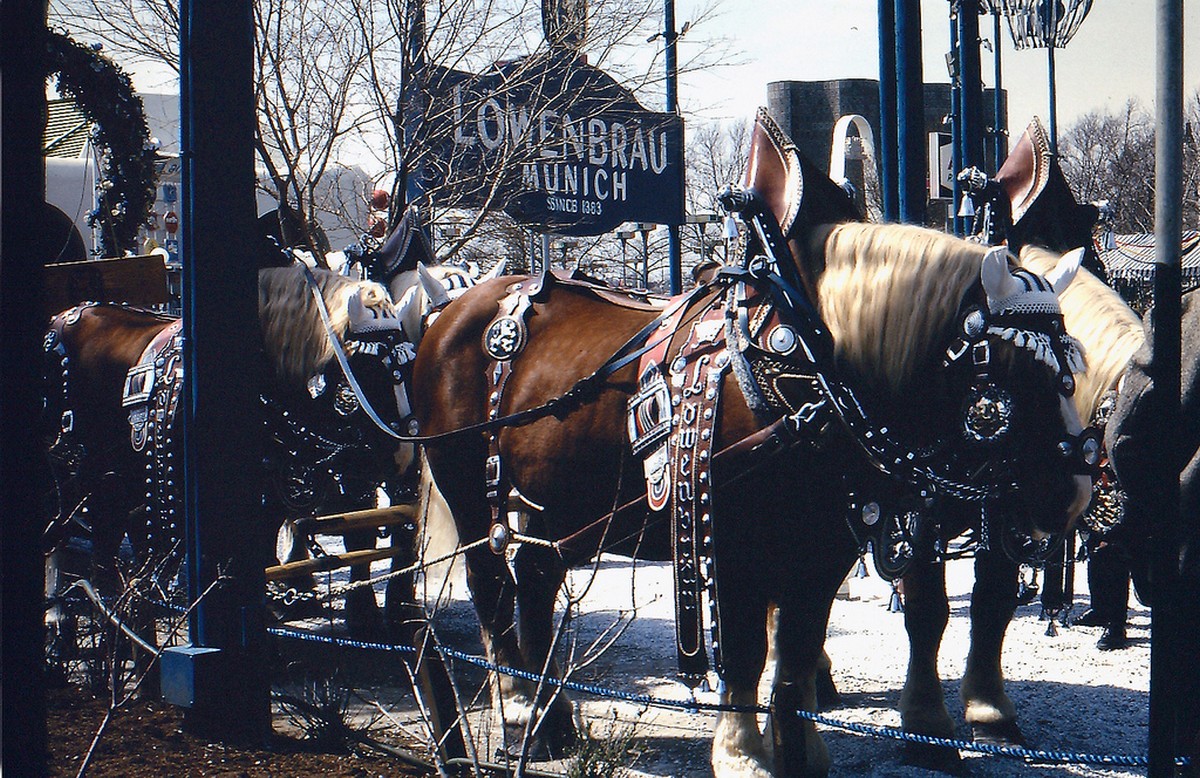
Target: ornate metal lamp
[1048, 24]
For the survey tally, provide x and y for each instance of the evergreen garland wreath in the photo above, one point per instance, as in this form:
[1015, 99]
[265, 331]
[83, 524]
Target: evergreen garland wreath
[104, 93]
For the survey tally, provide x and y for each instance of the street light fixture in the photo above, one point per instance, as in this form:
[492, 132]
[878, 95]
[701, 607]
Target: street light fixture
[1036, 24]
[702, 219]
[624, 236]
[645, 228]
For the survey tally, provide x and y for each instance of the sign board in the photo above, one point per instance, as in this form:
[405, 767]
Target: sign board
[138, 281]
[555, 142]
[941, 166]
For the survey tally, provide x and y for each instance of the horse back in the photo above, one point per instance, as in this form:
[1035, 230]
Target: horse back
[570, 335]
[99, 343]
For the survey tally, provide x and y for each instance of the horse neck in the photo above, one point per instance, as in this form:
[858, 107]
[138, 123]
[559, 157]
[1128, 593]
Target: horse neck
[889, 295]
[1107, 328]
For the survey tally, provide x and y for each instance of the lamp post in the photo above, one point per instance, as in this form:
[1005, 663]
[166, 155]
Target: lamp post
[702, 219]
[645, 229]
[624, 236]
[670, 38]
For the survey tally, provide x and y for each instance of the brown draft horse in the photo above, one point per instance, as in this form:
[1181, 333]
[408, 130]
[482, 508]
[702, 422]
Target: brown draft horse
[1031, 207]
[114, 462]
[891, 297]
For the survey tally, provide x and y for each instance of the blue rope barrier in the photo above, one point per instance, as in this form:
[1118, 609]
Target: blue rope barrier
[697, 706]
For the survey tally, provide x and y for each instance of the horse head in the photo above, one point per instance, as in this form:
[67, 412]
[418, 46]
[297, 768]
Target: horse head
[1034, 205]
[965, 356]
[338, 396]
[796, 192]
[1006, 415]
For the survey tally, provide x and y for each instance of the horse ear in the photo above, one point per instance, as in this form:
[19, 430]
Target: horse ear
[998, 281]
[433, 287]
[1064, 272]
[496, 271]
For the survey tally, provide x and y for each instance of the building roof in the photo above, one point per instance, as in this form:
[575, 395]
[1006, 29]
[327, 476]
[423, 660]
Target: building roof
[1132, 257]
[67, 130]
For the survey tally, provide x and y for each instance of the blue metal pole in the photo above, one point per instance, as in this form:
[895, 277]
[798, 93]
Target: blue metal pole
[1053, 93]
[1172, 655]
[23, 321]
[227, 685]
[674, 240]
[970, 89]
[956, 121]
[910, 110]
[888, 145]
[999, 119]
[411, 115]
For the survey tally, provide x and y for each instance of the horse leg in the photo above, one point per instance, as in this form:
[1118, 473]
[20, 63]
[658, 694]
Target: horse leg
[737, 746]
[401, 613]
[797, 747]
[540, 573]
[827, 693]
[362, 609]
[61, 626]
[494, 593]
[989, 711]
[926, 613]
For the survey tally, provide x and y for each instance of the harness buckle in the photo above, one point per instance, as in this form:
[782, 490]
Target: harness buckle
[493, 473]
[68, 421]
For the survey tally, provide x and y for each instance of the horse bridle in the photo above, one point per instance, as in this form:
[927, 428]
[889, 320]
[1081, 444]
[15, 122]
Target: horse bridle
[400, 355]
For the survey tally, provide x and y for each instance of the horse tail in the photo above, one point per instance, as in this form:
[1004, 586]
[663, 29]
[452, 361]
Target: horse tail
[437, 538]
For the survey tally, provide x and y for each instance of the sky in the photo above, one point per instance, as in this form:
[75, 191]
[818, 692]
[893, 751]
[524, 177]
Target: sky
[1110, 59]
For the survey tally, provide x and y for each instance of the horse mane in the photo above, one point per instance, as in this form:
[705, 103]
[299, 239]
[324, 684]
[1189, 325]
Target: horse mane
[889, 292]
[1107, 328]
[292, 330]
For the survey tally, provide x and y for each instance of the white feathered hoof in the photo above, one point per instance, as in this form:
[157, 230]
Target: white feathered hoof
[737, 748]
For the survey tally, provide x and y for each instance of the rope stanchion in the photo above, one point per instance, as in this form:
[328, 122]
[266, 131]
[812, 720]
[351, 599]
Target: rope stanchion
[697, 706]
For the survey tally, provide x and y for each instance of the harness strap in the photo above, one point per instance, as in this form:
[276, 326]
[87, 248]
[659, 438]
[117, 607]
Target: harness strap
[497, 483]
[583, 390]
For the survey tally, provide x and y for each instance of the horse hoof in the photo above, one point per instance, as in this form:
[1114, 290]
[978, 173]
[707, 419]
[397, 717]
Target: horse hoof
[1003, 733]
[1113, 638]
[937, 758]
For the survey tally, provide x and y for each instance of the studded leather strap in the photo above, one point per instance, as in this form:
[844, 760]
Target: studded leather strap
[695, 377]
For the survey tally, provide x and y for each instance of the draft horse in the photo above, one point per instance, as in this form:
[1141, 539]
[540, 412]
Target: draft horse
[1031, 208]
[114, 376]
[761, 414]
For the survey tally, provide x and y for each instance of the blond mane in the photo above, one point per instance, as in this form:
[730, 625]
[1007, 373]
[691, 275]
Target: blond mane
[1108, 329]
[292, 330]
[888, 292]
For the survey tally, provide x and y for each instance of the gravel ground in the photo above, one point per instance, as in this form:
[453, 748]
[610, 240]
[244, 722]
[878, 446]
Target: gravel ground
[1070, 696]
